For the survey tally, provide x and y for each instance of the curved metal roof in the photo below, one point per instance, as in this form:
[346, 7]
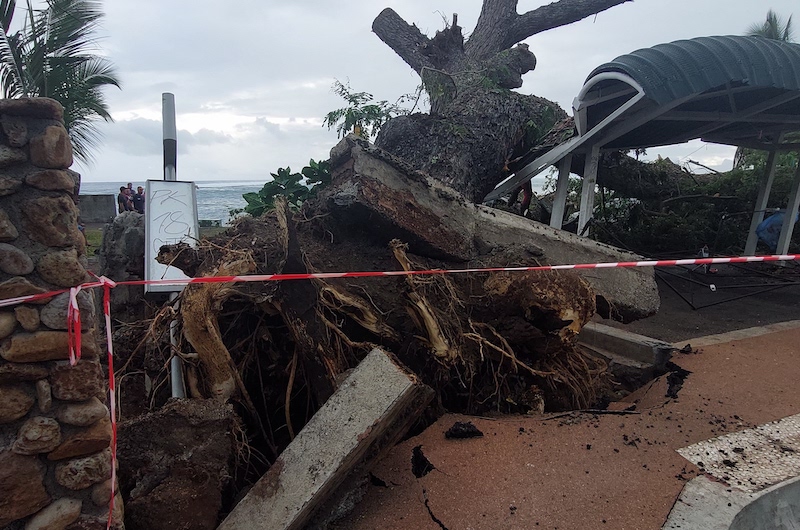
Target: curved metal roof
[742, 91]
[678, 69]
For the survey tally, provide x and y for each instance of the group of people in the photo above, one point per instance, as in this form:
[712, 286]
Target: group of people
[130, 201]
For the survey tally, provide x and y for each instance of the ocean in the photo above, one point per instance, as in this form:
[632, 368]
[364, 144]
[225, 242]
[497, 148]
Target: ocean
[214, 198]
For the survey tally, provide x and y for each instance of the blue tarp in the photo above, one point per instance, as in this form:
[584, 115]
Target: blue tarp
[770, 230]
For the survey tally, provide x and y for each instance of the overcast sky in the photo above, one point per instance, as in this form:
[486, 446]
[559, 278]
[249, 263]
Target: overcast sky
[252, 79]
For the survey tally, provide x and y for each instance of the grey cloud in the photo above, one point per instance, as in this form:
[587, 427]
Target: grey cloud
[136, 137]
[142, 137]
[203, 137]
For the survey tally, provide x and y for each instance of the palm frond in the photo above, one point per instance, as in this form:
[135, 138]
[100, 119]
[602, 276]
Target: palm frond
[70, 26]
[773, 27]
[11, 80]
[55, 55]
[7, 8]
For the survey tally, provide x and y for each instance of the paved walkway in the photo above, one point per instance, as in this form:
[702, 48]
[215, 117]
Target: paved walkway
[585, 471]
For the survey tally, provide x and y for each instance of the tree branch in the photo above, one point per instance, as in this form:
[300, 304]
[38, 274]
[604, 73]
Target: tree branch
[500, 27]
[555, 15]
[406, 40]
[493, 23]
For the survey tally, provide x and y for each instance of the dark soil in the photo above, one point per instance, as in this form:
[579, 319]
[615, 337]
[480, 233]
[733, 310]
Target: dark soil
[175, 465]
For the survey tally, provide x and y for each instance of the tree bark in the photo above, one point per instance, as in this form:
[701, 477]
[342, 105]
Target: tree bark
[499, 26]
[477, 126]
[648, 181]
[622, 173]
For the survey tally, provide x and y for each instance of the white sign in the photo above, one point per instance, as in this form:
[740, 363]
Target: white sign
[170, 217]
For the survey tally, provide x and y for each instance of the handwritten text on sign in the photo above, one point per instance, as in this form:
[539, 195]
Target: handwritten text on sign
[170, 217]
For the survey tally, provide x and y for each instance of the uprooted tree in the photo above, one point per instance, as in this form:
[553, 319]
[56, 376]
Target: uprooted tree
[484, 341]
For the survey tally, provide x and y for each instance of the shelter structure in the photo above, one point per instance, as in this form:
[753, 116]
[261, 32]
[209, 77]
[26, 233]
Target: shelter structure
[732, 90]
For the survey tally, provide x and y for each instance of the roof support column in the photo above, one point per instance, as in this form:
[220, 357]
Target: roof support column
[764, 187]
[791, 214]
[560, 200]
[589, 184]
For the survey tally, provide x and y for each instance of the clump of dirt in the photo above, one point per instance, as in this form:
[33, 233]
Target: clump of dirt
[176, 465]
[463, 429]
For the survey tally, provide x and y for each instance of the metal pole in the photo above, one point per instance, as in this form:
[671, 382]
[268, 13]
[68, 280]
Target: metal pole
[175, 365]
[589, 184]
[560, 200]
[170, 136]
[170, 133]
[791, 214]
[764, 188]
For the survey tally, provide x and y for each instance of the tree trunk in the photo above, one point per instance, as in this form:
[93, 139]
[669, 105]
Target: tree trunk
[471, 145]
[477, 125]
[652, 181]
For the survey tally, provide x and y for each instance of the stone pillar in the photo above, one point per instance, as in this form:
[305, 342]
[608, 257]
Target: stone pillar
[55, 433]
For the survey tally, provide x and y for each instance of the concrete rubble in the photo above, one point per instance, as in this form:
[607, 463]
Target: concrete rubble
[371, 409]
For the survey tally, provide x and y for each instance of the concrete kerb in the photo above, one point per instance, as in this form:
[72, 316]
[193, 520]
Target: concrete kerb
[372, 403]
[631, 346]
[633, 359]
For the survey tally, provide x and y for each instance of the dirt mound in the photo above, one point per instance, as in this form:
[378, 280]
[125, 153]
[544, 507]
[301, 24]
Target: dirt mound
[176, 465]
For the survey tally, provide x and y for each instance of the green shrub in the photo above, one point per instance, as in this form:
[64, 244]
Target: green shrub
[296, 187]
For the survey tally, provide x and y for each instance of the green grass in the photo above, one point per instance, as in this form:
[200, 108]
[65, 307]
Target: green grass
[94, 238]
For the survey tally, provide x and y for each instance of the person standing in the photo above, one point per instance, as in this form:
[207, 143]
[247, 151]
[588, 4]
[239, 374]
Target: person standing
[124, 203]
[138, 200]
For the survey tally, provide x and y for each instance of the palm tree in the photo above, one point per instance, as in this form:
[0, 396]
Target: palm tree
[773, 28]
[53, 56]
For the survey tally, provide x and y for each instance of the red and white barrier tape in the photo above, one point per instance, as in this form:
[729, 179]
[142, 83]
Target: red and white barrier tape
[74, 319]
[107, 285]
[368, 274]
[74, 326]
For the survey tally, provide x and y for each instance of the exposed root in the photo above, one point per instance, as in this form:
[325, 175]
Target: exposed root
[356, 308]
[484, 342]
[288, 405]
[424, 315]
[199, 307]
[504, 349]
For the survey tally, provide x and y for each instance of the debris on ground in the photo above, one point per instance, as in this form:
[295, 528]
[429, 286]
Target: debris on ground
[462, 429]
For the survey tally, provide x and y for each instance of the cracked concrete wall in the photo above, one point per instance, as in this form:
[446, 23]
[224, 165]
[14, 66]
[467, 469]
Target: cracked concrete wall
[55, 433]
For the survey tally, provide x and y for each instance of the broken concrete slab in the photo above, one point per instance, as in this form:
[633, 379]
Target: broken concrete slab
[706, 504]
[378, 400]
[631, 346]
[632, 359]
[438, 222]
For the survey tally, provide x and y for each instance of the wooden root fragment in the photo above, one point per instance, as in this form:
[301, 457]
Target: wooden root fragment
[199, 306]
[356, 308]
[423, 313]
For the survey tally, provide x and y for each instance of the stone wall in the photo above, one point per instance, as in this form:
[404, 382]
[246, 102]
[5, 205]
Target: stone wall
[97, 208]
[55, 435]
